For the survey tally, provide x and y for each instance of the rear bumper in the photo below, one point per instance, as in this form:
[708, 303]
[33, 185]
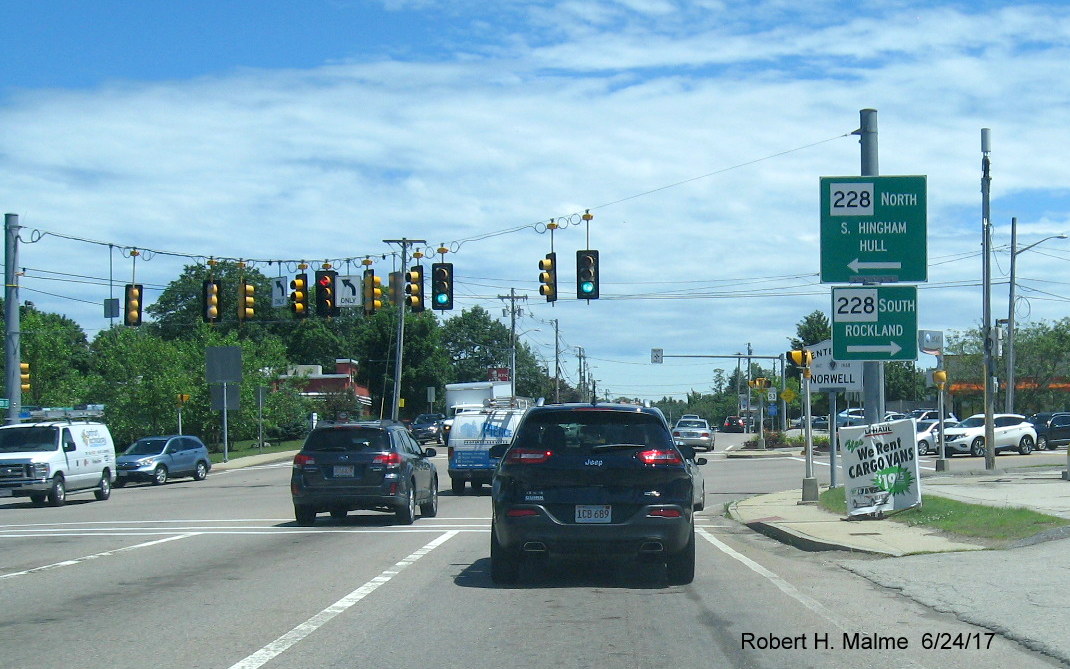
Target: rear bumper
[640, 534]
[351, 500]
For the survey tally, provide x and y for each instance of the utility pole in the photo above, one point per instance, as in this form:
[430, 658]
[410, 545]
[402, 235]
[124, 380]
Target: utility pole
[986, 316]
[872, 372]
[12, 331]
[557, 364]
[512, 297]
[405, 244]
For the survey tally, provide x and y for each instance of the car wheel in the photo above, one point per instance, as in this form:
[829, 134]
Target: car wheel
[1042, 443]
[977, 448]
[119, 482]
[1025, 446]
[103, 490]
[923, 447]
[201, 472]
[159, 477]
[305, 515]
[57, 494]
[406, 513]
[429, 509]
[680, 568]
[339, 514]
[504, 563]
[457, 486]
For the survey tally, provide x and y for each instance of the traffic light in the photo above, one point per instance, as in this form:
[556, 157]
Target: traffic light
[373, 292]
[414, 288]
[761, 382]
[442, 286]
[587, 275]
[210, 312]
[132, 313]
[246, 300]
[548, 277]
[802, 359]
[326, 293]
[940, 378]
[299, 295]
[396, 291]
[24, 376]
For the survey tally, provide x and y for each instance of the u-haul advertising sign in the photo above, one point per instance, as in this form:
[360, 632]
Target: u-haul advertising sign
[881, 463]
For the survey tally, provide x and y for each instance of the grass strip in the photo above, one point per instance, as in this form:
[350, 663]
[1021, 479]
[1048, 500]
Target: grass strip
[242, 449]
[998, 523]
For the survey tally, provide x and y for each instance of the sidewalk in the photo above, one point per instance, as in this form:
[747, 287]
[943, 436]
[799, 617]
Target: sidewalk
[251, 460]
[807, 526]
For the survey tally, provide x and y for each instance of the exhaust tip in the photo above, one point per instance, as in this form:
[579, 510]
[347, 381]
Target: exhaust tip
[534, 547]
[651, 547]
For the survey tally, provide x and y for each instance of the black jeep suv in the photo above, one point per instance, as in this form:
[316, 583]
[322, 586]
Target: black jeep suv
[592, 479]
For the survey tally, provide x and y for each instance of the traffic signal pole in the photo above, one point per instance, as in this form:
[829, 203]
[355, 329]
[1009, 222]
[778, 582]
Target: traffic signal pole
[396, 404]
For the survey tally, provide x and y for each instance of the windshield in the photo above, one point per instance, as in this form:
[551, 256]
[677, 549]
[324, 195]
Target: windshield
[347, 439]
[31, 438]
[427, 418]
[692, 423]
[591, 431]
[146, 447]
[924, 425]
[973, 421]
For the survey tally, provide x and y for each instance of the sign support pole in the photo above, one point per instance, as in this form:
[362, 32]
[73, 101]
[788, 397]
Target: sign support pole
[872, 372]
[809, 490]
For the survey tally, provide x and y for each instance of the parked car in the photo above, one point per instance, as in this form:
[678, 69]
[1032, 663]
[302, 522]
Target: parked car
[158, 459]
[733, 424]
[931, 414]
[427, 427]
[928, 434]
[51, 459]
[593, 480]
[1053, 429]
[690, 416]
[694, 432]
[1012, 432]
[372, 466]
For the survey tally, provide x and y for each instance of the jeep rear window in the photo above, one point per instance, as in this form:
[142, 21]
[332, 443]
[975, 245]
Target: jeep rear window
[586, 432]
[30, 438]
[347, 439]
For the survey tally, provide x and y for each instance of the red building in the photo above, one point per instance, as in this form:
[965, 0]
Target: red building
[314, 383]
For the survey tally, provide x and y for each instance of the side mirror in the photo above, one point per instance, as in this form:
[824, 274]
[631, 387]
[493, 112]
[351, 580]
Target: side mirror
[69, 448]
[430, 453]
[701, 461]
[498, 450]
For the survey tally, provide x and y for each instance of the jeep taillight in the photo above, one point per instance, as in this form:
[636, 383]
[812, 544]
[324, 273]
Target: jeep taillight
[659, 457]
[527, 456]
[664, 513]
[388, 459]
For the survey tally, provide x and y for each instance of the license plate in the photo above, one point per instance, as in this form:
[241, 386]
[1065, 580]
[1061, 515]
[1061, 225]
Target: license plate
[593, 513]
[343, 470]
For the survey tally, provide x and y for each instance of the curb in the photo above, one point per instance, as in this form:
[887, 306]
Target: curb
[798, 540]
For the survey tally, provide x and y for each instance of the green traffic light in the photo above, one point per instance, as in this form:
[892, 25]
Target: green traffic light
[587, 286]
[442, 298]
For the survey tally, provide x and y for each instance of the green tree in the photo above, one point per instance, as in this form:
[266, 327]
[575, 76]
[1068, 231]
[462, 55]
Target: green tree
[812, 329]
[475, 342]
[57, 351]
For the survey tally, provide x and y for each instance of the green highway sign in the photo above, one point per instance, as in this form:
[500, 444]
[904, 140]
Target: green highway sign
[873, 229]
[5, 403]
[875, 323]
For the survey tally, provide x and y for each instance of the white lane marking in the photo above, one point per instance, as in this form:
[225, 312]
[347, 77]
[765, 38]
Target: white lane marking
[204, 520]
[86, 558]
[280, 645]
[785, 587]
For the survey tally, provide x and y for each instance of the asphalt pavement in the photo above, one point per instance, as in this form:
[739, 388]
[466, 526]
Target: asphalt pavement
[1021, 592]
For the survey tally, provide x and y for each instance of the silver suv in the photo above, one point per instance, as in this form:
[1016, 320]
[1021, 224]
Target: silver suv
[157, 459]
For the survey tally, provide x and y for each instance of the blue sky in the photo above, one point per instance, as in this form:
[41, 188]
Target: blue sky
[314, 130]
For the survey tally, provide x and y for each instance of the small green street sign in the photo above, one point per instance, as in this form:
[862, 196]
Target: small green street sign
[5, 403]
[873, 229]
[875, 323]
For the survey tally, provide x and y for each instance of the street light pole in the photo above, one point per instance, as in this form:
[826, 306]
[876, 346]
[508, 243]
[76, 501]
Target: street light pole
[1010, 309]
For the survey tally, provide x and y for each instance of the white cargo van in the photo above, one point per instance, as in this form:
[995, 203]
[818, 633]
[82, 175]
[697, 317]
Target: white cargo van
[474, 431]
[50, 459]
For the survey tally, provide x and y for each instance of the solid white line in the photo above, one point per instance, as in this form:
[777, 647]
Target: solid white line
[779, 582]
[280, 645]
[68, 563]
[251, 531]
